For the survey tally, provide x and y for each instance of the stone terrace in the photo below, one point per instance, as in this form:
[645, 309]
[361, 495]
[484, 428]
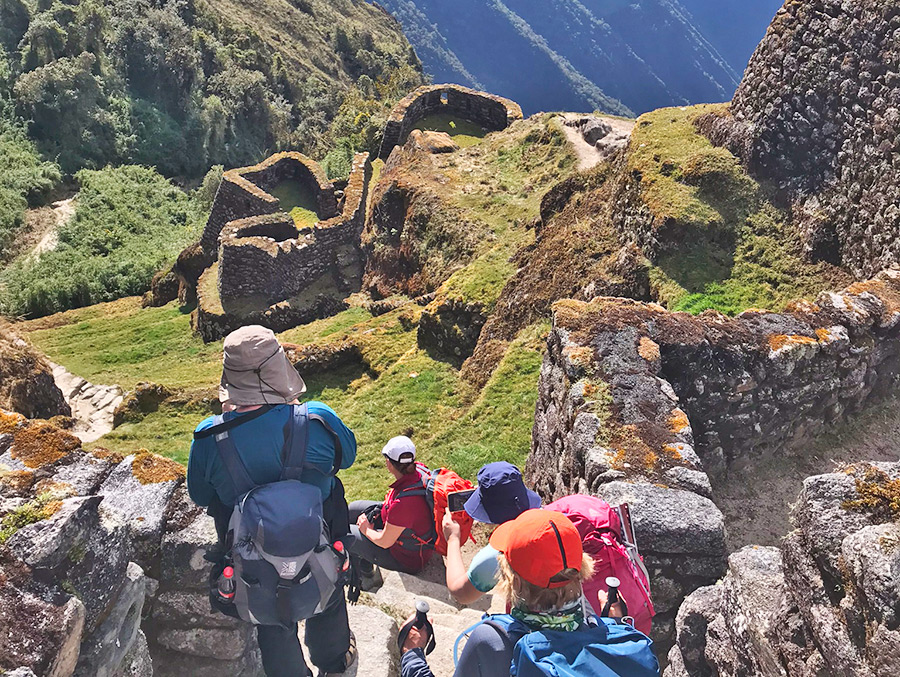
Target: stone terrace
[265, 262]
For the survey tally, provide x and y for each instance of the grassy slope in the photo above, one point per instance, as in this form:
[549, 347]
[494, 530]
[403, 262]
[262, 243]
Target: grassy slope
[737, 249]
[499, 182]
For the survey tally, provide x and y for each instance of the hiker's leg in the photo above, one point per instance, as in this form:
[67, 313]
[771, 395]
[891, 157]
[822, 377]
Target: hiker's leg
[361, 548]
[328, 635]
[282, 655]
[487, 653]
[357, 508]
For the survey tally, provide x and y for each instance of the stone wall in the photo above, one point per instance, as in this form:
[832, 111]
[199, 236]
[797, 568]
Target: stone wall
[818, 112]
[102, 569]
[243, 193]
[825, 604]
[491, 112]
[265, 263]
[608, 425]
[628, 391]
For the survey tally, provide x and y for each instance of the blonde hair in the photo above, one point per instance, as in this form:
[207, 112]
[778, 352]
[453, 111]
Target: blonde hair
[520, 593]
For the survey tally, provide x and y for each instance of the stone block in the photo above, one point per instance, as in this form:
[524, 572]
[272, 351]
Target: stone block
[84, 547]
[139, 488]
[183, 566]
[103, 653]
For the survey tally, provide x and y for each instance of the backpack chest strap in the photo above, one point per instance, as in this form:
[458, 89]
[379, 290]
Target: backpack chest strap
[296, 443]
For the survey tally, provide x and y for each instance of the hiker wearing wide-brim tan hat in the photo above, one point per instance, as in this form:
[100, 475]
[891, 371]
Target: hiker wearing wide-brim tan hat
[262, 425]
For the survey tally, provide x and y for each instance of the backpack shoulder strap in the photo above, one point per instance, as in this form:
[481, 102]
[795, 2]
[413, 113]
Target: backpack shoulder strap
[220, 425]
[296, 442]
[234, 465]
[338, 449]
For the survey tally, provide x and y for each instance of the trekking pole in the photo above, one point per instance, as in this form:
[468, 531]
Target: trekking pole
[613, 584]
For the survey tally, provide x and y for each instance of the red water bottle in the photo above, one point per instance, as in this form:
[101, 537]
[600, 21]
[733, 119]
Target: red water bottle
[226, 585]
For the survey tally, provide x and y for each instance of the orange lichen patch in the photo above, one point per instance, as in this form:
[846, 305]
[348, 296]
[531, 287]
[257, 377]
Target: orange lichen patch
[780, 341]
[824, 335]
[54, 489]
[103, 454]
[884, 291]
[673, 453]
[802, 306]
[648, 349]
[50, 509]
[580, 355]
[9, 421]
[149, 468]
[678, 421]
[879, 496]
[18, 481]
[41, 444]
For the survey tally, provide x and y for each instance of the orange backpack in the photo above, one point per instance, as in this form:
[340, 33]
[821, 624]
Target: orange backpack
[436, 484]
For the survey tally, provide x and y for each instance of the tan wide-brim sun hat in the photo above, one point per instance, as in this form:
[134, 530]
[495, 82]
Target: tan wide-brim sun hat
[255, 369]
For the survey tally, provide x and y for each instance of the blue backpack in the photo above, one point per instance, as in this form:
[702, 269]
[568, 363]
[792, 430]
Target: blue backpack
[602, 647]
[285, 565]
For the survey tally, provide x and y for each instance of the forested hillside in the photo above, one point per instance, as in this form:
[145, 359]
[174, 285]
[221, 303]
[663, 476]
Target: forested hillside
[185, 84]
[612, 55]
[177, 86]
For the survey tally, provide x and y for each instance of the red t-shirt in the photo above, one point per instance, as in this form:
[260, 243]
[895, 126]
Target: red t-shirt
[409, 512]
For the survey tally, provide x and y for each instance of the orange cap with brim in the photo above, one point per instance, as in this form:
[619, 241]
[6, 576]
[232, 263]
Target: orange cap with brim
[538, 545]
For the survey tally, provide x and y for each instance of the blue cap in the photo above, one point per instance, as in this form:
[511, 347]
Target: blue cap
[501, 494]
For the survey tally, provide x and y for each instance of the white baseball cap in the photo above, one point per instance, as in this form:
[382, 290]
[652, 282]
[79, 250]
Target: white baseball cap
[400, 449]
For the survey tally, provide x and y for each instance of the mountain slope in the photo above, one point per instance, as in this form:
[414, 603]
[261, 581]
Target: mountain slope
[610, 55]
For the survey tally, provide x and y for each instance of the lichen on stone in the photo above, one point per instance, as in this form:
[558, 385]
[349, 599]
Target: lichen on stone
[879, 495]
[41, 508]
[41, 444]
[149, 468]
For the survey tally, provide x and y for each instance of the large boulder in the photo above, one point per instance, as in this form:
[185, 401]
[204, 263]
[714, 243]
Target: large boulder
[26, 381]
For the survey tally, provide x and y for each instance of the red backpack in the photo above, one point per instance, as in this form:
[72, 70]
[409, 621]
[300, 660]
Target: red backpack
[436, 484]
[601, 532]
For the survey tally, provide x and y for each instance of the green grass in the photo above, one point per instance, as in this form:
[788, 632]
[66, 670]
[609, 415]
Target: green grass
[730, 248]
[464, 133]
[497, 427]
[167, 432]
[119, 342]
[298, 201]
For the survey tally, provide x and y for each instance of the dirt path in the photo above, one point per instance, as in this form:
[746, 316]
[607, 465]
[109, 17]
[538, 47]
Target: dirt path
[756, 495]
[41, 230]
[590, 155]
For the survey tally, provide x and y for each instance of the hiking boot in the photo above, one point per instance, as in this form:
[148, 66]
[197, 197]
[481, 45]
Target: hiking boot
[349, 659]
[371, 581]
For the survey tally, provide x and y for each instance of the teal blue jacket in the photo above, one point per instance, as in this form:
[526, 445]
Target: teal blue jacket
[259, 443]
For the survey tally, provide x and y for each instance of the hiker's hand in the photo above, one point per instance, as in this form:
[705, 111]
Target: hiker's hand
[416, 639]
[449, 526]
[616, 610]
[363, 523]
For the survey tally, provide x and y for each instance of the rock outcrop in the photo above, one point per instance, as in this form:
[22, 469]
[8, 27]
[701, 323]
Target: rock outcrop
[26, 381]
[102, 569]
[825, 604]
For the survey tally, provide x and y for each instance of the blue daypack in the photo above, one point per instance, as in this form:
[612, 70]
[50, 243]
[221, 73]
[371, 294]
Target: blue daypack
[602, 647]
[285, 566]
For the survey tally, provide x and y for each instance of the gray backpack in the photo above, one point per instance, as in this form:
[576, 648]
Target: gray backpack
[285, 566]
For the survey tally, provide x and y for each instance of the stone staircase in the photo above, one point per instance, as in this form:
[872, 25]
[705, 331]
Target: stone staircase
[376, 619]
[92, 405]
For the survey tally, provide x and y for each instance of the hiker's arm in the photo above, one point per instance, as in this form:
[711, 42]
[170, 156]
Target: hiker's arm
[345, 435]
[384, 538]
[199, 488]
[458, 582]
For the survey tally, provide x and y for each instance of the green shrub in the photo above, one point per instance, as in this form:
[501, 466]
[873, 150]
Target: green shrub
[129, 223]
